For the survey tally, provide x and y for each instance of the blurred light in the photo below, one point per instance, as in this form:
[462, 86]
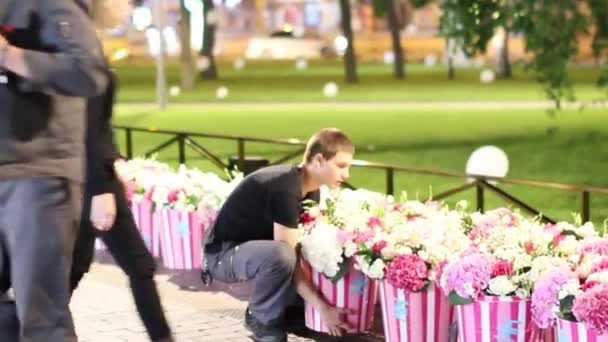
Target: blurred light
[287, 28]
[341, 44]
[301, 63]
[153, 41]
[389, 57]
[171, 40]
[239, 64]
[299, 32]
[142, 18]
[197, 27]
[487, 76]
[330, 89]
[430, 60]
[232, 3]
[120, 54]
[175, 91]
[221, 92]
[203, 63]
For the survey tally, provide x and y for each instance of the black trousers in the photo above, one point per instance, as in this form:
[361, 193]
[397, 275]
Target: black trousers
[128, 249]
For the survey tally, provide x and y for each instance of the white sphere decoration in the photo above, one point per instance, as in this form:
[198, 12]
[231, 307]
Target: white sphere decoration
[389, 57]
[203, 63]
[487, 76]
[330, 89]
[221, 92]
[301, 63]
[488, 161]
[239, 64]
[175, 90]
[430, 60]
[341, 44]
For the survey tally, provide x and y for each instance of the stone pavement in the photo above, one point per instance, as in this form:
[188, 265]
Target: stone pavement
[104, 312]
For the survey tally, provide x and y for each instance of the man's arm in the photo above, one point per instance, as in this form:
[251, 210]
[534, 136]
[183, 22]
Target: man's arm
[76, 65]
[332, 316]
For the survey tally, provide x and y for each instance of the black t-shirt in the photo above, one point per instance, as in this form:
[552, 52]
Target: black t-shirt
[269, 195]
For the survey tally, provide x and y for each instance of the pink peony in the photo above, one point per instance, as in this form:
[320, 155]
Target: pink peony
[599, 247]
[344, 236]
[502, 268]
[600, 266]
[557, 239]
[362, 237]
[374, 222]
[591, 309]
[589, 284]
[545, 296]
[469, 276]
[408, 272]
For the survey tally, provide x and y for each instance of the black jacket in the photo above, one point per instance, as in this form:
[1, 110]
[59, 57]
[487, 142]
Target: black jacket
[42, 118]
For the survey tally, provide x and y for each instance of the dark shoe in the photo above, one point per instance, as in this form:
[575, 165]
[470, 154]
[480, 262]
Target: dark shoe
[262, 332]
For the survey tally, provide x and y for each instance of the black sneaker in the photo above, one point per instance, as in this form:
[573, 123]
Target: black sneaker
[262, 332]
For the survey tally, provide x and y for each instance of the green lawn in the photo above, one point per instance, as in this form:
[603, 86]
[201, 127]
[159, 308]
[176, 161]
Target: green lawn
[280, 81]
[571, 147]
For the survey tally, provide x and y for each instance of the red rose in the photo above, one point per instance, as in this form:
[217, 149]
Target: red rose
[378, 247]
[502, 268]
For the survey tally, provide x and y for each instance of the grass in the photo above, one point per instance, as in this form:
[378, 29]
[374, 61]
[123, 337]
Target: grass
[570, 148]
[280, 81]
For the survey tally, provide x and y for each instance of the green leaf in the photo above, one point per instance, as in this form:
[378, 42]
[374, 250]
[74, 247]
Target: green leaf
[343, 268]
[455, 299]
[565, 308]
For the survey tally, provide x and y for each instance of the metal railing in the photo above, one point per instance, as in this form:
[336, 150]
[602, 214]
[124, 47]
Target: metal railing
[481, 183]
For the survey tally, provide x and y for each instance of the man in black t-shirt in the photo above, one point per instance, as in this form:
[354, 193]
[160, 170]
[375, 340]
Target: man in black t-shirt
[255, 234]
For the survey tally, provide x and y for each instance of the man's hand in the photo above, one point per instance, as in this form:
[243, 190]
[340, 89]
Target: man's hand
[103, 211]
[334, 319]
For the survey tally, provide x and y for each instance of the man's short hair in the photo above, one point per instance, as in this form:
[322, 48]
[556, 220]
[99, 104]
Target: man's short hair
[328, 142]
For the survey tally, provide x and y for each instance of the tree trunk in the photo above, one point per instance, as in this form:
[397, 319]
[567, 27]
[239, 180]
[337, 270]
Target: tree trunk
[210, 19]
[504, 65]
[186, 62]
[350, 62]
[450, 52]
[393, 24]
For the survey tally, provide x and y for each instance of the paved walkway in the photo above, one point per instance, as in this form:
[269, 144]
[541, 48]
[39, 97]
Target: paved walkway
[104, 312]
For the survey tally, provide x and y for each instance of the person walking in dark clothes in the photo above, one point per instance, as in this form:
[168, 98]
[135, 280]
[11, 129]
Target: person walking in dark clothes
[255, 238]
[106, 214]
[49, 64]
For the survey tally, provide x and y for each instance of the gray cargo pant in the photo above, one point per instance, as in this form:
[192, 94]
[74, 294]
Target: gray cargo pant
[270, 264]
[38, 227]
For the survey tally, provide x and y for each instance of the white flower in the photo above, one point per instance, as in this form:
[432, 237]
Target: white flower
[501, 286]
[388, 252]
[350, 248]
[601, 277]
[376, 270]
[569, 289]
[321, 248]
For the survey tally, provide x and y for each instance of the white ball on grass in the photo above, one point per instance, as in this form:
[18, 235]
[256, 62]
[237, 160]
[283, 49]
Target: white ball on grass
[221, 92]
[487, 76]
[330, 89]
[175, 91]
